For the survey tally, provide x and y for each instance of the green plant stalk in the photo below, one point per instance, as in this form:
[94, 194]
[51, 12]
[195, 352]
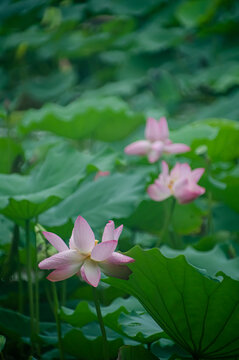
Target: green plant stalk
[158, 167]
[29, 276]
[168, 218]
[58, 321]
[63, 293]
[37, 313]
[101, 322]
[210, 216]
[19, 274]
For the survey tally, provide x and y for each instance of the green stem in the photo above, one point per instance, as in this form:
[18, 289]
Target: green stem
[37, 312]
[29, 276]
[168, 218]
[49, 298]
[101, 322]
[63, 293]
[58, 321]
[158, 167]
[210, 217]
[19, 274]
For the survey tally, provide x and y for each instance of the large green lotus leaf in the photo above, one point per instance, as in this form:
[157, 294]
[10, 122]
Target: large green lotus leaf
[11, 151]
[140, 327]
[107, 119]
[220, 136]
[150, 216]
[220, 77]
[225, 187]
[14, 324]
[153, 38]
[88, 343]
[23, 197]
[98, 201]
[193, 13]
[124, 316]
[135, 352]
[166, 349]
[129, 7]
[211, 261]
[197, 312]
[222, 107]
[225, 218]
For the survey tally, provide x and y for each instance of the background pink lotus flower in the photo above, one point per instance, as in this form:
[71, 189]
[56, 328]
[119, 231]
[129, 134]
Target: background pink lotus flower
[157, 142]
[181, 182]
[101, 173]
[85, 256]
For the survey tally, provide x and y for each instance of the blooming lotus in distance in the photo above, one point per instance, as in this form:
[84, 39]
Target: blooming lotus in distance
[181, 182]
[85, 256]
[101, 174]
[157, 142]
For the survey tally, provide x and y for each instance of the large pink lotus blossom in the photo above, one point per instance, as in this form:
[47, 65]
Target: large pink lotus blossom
[181, 182]
[157, 142]
[85, 256]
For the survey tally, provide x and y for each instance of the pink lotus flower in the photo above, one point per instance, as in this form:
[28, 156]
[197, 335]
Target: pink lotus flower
[157, 142]
[101, 173]
[181, 182]
[85, 256]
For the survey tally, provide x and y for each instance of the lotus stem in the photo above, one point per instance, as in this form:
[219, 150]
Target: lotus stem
[29, 276]
[167, 221]
[63, 293]
[210, 217]
[101, 322]
[58, 321]
[37, 312]
[19, 272]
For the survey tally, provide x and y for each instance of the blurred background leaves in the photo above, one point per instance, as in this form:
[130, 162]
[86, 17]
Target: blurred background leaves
[77, 82]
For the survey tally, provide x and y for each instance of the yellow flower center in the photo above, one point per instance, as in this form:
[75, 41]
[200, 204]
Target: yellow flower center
[170, 185]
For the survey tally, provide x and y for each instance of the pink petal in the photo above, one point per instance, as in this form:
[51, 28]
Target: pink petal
[117, 232]
[197, 174]
[140, 147]
[176, 171]
[152, 130]
[108, 233]
[176, 148]
[155, 151]
[62, 259]
[90, 272]
[63, 273]
[191, 194]
[158, 193]
[186, 192]
[117, 259]
[163, 128]
[82, 238]
[55, 241]
[103, 250]
[164, 170]
[181, 171]
[101, 173]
